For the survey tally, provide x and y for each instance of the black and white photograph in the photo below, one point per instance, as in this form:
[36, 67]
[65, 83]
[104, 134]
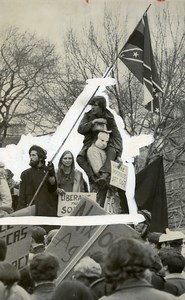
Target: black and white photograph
[90, 262]
[92, 149]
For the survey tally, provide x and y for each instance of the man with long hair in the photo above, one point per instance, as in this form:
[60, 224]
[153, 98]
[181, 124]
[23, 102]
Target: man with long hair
[46, 199]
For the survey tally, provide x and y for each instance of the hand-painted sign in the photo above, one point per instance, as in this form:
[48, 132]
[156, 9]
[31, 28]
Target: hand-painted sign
[18, 241]
[70, 244]
[118, 175]
[68, 201]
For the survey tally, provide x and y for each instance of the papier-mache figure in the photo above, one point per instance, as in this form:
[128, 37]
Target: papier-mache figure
[99, 114]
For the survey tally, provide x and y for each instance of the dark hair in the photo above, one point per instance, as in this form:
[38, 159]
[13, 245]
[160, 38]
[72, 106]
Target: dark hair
[42, 154]
[26, 281]
[174, 260]
[72, 290]
[8, 274]
[61, 179]
[38, 234]
[127, 258]
[3, 250]
[9, 173]
[176, 243]
[44, 267]
[100, 100]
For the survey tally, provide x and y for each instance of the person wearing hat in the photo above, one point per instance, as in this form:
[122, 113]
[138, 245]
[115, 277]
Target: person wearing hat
[46, 199]
[87, 270]
[96, 153]
[92, 122]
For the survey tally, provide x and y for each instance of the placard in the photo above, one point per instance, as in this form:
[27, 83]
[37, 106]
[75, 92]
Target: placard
[18, 241]
[68, 201]
[118, 175]
[70, 244]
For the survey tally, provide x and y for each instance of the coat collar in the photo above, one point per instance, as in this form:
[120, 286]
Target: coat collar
[133, 283]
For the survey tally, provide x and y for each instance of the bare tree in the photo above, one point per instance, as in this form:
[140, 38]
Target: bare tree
[92, 55]
[27, 64]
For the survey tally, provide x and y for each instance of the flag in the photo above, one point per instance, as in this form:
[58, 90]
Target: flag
[150, 194]
[137, 55]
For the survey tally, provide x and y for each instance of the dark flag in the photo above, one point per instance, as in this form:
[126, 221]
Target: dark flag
[137, 55]
[150, 194]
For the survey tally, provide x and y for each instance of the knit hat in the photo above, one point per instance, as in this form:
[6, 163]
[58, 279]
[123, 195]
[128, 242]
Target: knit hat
[41, 152]
[88, 267]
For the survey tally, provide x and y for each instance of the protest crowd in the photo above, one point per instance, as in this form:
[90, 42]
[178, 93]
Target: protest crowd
[147, 265]
[131, 268]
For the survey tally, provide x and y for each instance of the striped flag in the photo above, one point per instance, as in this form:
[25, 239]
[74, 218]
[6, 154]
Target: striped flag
[137, 55]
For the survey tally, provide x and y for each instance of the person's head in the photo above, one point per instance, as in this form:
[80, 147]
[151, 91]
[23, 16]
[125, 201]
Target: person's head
[37, 156]
[44, 267]
[8, 274]
[98, 104]
[176, 243]
[38, 234]
[72, 290]
[173, 261]
[153, 239]
[8, 173]
[127, 258]
[3, 250]
[87, 270]
[102, 140]
[66, 160]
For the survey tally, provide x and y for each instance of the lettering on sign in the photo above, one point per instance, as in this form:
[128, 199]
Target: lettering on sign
[119, 175]
[67, 202]
[18, 240]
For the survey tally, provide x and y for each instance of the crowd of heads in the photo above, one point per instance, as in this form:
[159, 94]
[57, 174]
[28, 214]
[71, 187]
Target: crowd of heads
[95, 275]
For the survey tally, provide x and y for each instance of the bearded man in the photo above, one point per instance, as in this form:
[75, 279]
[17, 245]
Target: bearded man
[46, 199]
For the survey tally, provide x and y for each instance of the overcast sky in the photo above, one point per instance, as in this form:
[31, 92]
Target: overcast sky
[51, 18]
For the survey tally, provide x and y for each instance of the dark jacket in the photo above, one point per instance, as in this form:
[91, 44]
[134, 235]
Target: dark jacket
[46, 200]
[178, 281]
[86, 128]
[43, 291]
[134, 289]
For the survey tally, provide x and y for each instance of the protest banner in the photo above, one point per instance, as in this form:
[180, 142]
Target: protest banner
[18, 241]
[112, 202]
[68, 201]
[71, 243]
[118, 175]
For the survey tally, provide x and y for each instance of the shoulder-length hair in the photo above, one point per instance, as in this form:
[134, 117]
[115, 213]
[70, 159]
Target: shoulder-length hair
[60, 172]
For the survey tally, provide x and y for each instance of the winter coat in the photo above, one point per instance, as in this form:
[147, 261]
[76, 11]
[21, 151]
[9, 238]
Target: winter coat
[86, 128]
[136, 289]
[43, 291]
[46, 200]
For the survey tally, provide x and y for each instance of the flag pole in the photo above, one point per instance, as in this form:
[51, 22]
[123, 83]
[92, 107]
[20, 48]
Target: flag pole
[58, 150]
[117, 56]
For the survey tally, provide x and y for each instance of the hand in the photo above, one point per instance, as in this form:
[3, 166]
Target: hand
[120, 162]
[61, 191]
[99, 120]
[51, 169]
